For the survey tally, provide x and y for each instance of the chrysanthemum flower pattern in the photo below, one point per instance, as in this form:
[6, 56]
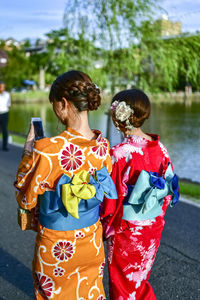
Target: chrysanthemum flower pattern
[63, 250]
[44, 285]
[71, 157]
[101, 148]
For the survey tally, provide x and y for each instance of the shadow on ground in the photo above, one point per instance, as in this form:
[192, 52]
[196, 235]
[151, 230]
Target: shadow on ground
[16, 273]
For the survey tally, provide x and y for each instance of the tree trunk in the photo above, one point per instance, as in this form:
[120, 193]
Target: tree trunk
[42, 79]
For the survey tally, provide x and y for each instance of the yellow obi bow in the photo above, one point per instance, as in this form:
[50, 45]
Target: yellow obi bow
[78, 189]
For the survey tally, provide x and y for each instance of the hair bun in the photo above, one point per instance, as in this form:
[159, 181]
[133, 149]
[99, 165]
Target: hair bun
[88, 92]
[78, 88]
[139, 102]
[93, 96]
[138, 121]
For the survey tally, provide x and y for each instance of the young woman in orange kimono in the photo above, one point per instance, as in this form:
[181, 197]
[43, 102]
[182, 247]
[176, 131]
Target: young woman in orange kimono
[66, 177]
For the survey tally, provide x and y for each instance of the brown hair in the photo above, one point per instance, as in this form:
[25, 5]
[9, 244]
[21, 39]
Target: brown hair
[140, 104]
[78, 88]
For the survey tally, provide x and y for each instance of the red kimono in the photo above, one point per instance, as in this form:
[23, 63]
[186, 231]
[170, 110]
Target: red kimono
[132, 245]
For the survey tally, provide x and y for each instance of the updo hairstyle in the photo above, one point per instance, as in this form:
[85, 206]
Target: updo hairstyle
[78, 88]
[138, 102]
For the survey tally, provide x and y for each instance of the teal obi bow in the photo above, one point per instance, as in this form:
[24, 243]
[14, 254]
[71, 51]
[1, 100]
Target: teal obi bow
[146, 198]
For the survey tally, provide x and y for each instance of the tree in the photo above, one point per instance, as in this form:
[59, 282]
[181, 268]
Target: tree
[175, 61]
[113, 25]
[74, 53]
[18, 67]
[40, 64]
[182, 54]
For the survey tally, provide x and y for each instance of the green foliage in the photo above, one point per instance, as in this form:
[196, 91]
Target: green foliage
[190, 189]
[112, 23]
[70, 53]
[19, 67]
[112, 26]
[167, 64]
[30, 96]
[117, 43]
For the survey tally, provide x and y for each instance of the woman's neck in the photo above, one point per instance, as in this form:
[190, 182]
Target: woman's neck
[81, 125]
[138, 132]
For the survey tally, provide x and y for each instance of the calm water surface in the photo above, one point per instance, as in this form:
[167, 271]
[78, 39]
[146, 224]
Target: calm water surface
[177, 125]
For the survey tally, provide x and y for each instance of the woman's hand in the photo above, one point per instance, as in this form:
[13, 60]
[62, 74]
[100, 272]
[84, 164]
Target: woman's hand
[28, 147]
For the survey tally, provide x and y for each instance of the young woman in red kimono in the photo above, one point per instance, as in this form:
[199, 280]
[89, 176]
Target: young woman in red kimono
[66, 177]
[145, 184]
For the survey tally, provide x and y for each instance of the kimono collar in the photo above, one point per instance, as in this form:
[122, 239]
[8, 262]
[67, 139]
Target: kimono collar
[141, 141]
[72, 133]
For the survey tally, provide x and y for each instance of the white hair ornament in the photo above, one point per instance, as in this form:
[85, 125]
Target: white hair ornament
[122, 113]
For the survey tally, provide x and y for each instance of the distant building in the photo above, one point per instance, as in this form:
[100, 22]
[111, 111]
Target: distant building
[167, 28]
[11, 42]
[3, 58]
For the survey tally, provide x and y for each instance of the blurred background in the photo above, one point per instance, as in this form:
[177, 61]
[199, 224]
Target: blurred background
[149, 44]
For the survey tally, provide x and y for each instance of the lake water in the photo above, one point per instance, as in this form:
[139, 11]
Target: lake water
[177, 125]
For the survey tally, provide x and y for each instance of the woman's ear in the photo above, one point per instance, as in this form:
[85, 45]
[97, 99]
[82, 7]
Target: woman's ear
[65, 103]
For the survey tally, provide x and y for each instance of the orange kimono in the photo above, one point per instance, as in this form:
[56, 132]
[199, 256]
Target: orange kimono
[67, 264]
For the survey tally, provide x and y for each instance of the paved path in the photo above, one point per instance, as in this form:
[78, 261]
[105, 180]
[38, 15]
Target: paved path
[176, 272]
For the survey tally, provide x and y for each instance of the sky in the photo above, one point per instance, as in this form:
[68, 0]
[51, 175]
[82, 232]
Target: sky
[22, 19]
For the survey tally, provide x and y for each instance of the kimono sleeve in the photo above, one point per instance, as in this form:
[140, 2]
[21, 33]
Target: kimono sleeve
[167, 161]
[108, 162]
[32, 171]
[111, 206]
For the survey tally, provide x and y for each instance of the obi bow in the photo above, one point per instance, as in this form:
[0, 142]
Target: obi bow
[146, 199]
[172, 180]
[79, 188]
[103, 184]
[84, 186]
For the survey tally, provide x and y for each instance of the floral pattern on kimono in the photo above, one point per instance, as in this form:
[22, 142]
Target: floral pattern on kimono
[67, 264]
[132, 245]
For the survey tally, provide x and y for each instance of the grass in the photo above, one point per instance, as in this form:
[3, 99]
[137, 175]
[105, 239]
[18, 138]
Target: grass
[30, 96]
[38, 95]
[190, 189]
[18, 139]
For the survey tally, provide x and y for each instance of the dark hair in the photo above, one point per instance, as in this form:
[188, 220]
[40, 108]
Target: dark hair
[140, 104]
[2, 82]
[78, 88]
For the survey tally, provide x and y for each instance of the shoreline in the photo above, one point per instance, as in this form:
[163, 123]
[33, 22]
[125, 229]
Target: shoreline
[188, 180]
[165, 97]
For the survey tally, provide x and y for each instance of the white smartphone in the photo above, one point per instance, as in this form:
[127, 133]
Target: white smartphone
[38, 128]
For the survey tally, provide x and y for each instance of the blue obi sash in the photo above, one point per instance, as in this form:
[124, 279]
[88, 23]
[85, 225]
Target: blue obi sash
[145, 199]
[53, 212]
